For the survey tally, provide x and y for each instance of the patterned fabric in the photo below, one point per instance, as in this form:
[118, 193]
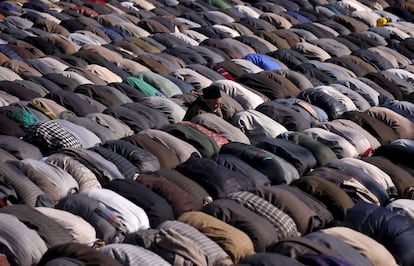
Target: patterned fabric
[82, 174]
[206, 146]
[53, 180]
[50, 137]
[131, 216]
[214, 253]
[284, 224]
[128, 254]
[101, 173]
[110, 216]
[127, 169]
[220, 140]
[26, 190]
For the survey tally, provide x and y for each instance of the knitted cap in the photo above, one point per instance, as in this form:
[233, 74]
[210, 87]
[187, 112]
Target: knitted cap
[211, 93]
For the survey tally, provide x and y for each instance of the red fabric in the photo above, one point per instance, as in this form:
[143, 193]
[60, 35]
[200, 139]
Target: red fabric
[2, 204]
[216, 137]
[3, 260]
[86, 11]
[368, 152]
[222, 72]
[225, 74]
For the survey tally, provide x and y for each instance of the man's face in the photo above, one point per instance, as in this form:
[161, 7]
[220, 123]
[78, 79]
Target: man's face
[213, 104]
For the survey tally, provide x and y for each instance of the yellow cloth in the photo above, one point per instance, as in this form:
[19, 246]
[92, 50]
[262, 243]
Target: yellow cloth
[381, 22]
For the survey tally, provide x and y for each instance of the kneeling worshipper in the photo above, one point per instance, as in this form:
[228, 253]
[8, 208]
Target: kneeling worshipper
[209, 102]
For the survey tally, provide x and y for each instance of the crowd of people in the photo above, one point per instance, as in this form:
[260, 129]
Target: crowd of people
[206, 132]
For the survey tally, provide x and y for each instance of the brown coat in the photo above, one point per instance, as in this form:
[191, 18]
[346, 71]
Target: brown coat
[337, 201]
[180, 200]
[234, 241]
[373, 250]
[167, 158]
[291, 205]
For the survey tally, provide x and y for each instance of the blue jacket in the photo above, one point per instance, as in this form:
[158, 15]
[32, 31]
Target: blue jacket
[262, 61]
[392, 230]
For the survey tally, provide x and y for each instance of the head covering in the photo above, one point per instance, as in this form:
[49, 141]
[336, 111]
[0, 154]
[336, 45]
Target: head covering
[211, 93]
[381, 21]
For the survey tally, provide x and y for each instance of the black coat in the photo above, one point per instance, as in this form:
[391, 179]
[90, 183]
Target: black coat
[298, 156]
[287, 116]
[258, 158]
[257, 228]
[155, 206]
[218, 180]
